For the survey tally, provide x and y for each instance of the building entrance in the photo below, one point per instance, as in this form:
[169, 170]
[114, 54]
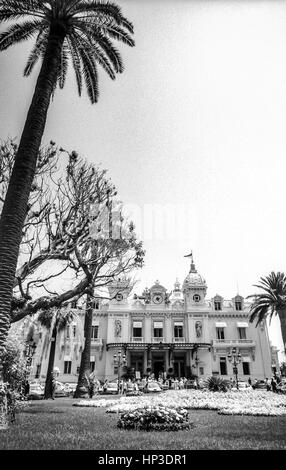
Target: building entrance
[137, 362]
[180, 366]
[158, 365]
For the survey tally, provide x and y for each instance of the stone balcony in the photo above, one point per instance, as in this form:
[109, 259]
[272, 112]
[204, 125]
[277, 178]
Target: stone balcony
[159, 339]
[137, 339]
[233, 343]
[96, 342]
[179, 340]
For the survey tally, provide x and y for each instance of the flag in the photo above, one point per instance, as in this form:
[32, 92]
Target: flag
[189, 256]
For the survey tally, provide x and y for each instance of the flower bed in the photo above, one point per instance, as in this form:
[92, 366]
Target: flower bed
[155, 418]
[95, 403]
[252, 402]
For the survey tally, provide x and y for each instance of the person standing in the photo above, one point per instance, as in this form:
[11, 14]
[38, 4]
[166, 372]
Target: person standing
[274, 385]
[268, 384]
[54, 385]
[91, 385]
[249, 381]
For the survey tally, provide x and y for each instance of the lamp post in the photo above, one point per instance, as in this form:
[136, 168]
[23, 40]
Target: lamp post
[234, 357]
[119, 361]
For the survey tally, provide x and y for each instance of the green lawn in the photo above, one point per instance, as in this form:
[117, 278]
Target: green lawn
[58, 425]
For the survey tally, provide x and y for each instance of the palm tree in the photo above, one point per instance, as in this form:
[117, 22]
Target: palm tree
[271, 301]
[80, 30]
[54, 322]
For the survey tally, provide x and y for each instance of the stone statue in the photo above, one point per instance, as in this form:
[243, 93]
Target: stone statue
[117, 325]
[199, 328]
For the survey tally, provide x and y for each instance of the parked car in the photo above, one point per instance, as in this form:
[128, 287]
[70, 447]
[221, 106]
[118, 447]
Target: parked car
[259, 385]
[152, 387]
[70, 388]
[191, 383]
[36, 392]
[111, 388]
[164, 386]
[242, 386]
[281, 388]
[61, 390]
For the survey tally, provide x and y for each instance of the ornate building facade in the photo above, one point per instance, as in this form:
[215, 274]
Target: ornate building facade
[179, 333]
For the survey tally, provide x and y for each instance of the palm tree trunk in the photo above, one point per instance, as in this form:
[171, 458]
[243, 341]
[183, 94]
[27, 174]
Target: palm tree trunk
[16, 201]
[49, 382]
[282, 317]
[84, 369]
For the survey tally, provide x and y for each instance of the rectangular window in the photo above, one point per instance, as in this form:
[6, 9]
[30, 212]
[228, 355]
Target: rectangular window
[38, 371]
[94, 332]
[201, 369]
[242, 333]
[74, 304]
[67, 367]
[92, 366]
[178, 331]
[220, 333]
[158, 329]
[217, 305]
[74, 331]
[246, 368]
[238, 305]
[222, 365]
[137, 329]
[68, 332]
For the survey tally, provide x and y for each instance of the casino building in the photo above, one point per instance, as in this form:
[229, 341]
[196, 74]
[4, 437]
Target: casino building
[179, 333]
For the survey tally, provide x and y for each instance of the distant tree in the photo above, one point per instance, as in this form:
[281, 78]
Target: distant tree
[54, 321]
[80, 30]
[272, 301]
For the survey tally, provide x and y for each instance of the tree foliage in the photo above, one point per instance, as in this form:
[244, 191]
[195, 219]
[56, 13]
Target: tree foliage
[74, 228]
[88, 27]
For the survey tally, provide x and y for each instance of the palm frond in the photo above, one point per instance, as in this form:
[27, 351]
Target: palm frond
[90, 75]
[15, 9]
[94, 50]
[103, 11]
[63, 66]
[97, 38]
[271, 300]
[19, 32]
[37, 51]
[73, 46]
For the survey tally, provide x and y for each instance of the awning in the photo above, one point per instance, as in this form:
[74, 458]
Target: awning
[92, 358]
[137, 324]
[95, 323]
[158, 324]
[246, 359]
[220, 324]
[242, 324]
[67, 358]
[178, 323]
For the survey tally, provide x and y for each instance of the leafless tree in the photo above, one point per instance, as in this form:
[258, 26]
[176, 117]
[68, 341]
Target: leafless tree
[74, 229]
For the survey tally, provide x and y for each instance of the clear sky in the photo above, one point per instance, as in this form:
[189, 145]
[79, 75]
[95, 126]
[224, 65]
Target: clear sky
[194, 128]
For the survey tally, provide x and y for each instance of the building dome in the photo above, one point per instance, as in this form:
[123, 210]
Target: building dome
[194, 280]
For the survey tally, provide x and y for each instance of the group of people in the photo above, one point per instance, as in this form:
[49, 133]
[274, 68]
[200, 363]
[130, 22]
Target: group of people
[136, 385]
[271, 384]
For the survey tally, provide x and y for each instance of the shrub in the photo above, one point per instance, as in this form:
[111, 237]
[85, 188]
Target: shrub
[216, 384]
[155, 418]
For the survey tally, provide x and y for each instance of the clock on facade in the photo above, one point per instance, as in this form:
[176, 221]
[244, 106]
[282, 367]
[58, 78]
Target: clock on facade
[157, 298]
[119, 296]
